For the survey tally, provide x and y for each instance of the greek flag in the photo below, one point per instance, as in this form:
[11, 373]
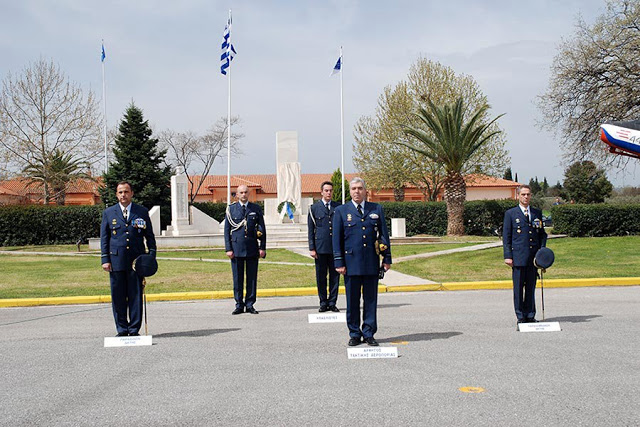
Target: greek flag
[103, 54]
[338, 66]
[289, 211]
[228, 51]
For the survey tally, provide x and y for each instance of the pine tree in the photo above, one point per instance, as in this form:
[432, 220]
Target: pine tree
[516, 178]
[508, 175]
[337, 187]
[138, 161]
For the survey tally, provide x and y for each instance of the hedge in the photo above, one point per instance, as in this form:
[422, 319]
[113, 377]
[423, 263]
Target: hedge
[596, 220]
[45, 225]
[481, 217]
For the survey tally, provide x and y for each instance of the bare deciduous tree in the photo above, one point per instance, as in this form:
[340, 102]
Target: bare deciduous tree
[197, 153]
[594, 78]
[42, 112]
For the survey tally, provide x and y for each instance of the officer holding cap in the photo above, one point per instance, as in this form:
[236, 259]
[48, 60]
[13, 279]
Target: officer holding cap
[522, 236]
[124, 229]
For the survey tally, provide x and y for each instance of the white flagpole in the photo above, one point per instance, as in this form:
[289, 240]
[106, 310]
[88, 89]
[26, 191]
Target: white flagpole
[342, 123]
[104, 101]
[229, 116]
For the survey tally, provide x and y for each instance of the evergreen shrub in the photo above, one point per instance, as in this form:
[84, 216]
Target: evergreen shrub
[596, 220]
[46, 225]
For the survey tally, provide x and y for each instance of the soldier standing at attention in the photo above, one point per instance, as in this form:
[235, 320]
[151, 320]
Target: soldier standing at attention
[523, 234]
[359, 229]
[320, 247]
[243, 228]
[124, 229]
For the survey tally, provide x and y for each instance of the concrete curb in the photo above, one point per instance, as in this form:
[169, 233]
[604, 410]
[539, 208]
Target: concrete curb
[282, 292]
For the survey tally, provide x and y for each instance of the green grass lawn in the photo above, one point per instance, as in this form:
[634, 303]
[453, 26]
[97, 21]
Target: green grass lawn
[23, 276]
[575, 258]
[48, 276]
[398, 251]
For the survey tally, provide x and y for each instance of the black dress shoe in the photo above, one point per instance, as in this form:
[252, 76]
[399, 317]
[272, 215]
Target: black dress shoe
[371, 341]
[122, 334]
[354, 342]
[334, 309]
[323, 308]
[238, 310]
[532, 321]
[134, 335]
[251, 310]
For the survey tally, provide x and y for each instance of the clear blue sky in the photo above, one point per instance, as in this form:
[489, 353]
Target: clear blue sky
[164, 55]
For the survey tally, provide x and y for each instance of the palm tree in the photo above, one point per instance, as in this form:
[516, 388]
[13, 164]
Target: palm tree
[55, 171]
[444, 137]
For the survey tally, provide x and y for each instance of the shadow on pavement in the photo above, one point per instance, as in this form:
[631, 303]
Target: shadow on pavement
[391, 305]
[301, 308]
[573, 319]
[198, 333]
[421, 337]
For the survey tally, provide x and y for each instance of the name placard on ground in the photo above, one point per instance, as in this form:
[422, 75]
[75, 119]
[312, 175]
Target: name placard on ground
[127, 341]
[373, 353]
[328, 318]
[539, 327]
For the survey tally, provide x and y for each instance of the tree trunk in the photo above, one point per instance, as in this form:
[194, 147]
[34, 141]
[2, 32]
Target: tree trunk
[398, 194]
[455, 193]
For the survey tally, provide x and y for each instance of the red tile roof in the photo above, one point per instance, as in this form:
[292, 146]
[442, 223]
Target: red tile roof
[311, 182]
[23, 186]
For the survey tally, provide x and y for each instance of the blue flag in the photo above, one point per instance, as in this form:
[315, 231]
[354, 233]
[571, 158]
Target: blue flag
[289, 211]
[337, 67]
[103, 54]
[228, 50]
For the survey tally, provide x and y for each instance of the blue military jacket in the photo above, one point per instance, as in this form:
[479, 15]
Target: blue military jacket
[121, 241]
[354, 238]
[521, 239]
[319, 224]
[244, 242]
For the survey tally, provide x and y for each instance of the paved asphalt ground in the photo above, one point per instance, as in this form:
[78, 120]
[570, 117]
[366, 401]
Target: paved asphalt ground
[207, 367]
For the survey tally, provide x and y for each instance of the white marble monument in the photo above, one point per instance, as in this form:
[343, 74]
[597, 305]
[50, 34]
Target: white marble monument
[186, 220]
[289, 181]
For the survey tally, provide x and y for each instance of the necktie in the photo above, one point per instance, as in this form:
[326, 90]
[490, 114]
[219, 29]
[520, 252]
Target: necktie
[526, 215]
[244, 210]
[326, 205]
[124, 214]
[360, 210]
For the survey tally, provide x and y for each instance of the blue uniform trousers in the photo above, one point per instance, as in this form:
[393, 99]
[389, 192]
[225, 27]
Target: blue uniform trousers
[368, 287]
[126, 294]
[524, 292]
[238, 265]
[324, 266]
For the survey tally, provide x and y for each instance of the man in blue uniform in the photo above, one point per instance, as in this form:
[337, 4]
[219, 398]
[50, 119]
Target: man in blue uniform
[359, 229]
[243, 228]
[125, 227]
[523, 234]
[320, 247]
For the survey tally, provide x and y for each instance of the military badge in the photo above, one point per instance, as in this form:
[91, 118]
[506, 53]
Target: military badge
[517, 220]
[374, 216]
[114, 232]
[348, 217]
[537, 223]
[139, 223]
[113, 221]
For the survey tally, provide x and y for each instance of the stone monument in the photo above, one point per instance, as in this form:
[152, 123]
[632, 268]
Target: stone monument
[186, 220]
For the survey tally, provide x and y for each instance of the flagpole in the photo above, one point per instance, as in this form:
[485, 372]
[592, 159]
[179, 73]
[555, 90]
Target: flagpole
[229, 117]
[104, 101]
[342, 123]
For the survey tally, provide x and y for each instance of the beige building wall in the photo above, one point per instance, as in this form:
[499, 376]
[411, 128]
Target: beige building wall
[475, 193]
